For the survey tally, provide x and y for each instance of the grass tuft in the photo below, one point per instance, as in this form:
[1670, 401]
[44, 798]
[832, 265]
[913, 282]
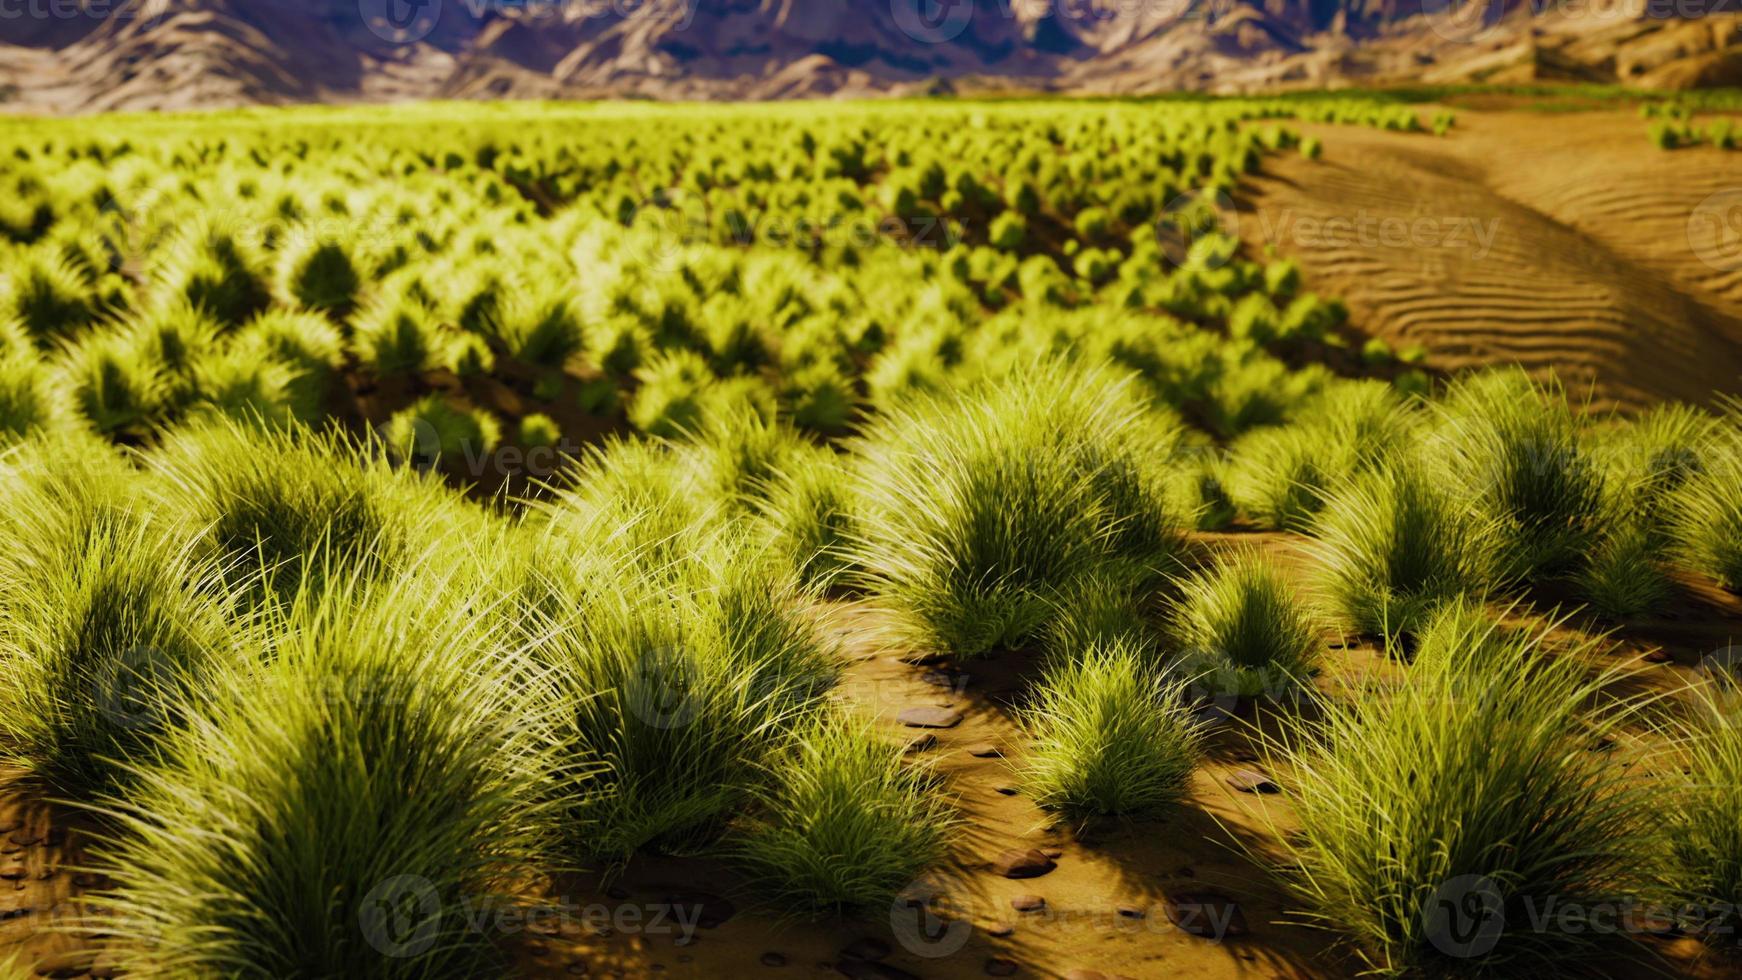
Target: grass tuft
[1243, 630]
[1110, 736]
[985, 506]
[843, 822]
[1391, 545]
[1437, 817]
[338, 811]
[1515, 446]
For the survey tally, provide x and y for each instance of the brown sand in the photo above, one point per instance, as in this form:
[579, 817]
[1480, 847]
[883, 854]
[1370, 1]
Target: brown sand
[1552, 240]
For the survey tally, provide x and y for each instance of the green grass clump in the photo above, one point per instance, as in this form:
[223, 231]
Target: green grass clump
[1471, 783]
[1200, 494]
[1280, 476]
[264, 501]
[678, 680]
[538, 431]
[1653, 455]
[1110, 736]
[396, 337]
[247, 385]
[670, 400]
[321, 276]
[843, 822]
[1625, 574]
[1703, 870]
[1391, 545]
[1705, 511]
[29, 399]
[213, 271]
[105, 619]
[1242, 629]
[1516, 447]
[349, 800]
[632, 498]
[808, 509]
[114, 385]
[736, 450]
[50, 297]
[984, 506]
[433, 429]
[537, 325]
[1463, 631]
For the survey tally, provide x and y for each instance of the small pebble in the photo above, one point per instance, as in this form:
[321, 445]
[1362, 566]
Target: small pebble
[1028, 903]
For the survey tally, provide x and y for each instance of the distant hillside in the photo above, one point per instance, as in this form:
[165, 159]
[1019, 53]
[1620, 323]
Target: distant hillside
[143, 54]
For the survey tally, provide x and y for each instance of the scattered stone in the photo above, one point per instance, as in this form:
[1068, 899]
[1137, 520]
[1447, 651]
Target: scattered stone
[865, 949]
[1022, 864]
[1207, 915]
[1028, 903]
[985, 751]
[773, 959]
[944, 678]
[923, 743]
[1251, 781]
[930, 716]
[998, 966]
[1000, 930]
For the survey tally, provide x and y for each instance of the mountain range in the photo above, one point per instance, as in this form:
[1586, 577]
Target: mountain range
[67, 56]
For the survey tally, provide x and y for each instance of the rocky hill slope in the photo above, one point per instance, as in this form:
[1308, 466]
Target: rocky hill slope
[92, 55]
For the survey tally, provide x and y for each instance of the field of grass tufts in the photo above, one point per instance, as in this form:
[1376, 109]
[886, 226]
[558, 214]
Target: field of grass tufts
[405, 512]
